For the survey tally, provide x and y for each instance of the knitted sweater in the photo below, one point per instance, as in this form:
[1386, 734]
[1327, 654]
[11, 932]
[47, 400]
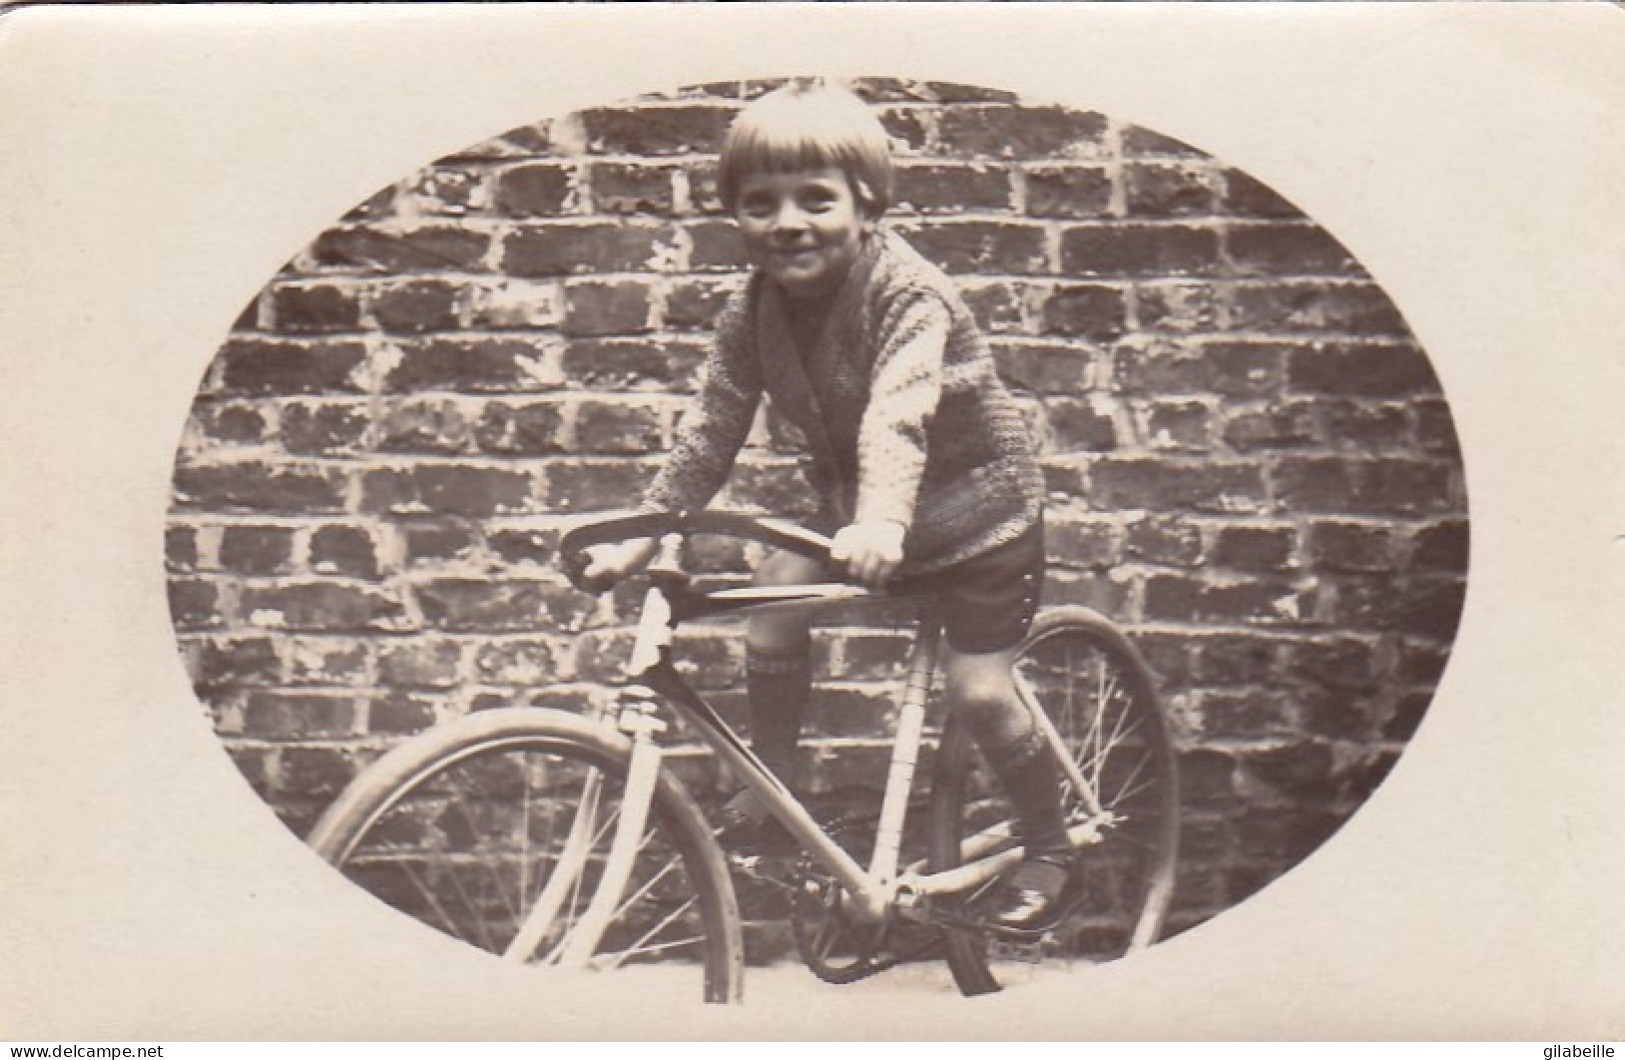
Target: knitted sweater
[896, 396]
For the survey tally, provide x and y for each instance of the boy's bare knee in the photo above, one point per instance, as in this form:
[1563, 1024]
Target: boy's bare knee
[784, 630]
[787, 568]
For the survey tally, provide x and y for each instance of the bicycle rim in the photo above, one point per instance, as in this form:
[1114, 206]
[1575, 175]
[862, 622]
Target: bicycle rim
[497, 832]
[1100, 697]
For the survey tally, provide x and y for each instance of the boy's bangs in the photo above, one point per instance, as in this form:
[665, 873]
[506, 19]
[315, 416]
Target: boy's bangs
[785, 152]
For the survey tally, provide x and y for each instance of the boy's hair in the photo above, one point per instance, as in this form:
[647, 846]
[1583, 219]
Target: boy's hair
[809, 126]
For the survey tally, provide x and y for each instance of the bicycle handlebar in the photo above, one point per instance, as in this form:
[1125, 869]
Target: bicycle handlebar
[774, 532]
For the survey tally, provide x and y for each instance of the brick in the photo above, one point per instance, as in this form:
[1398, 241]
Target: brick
[1157, 190]
[1406, 716]
[1386, 370]
[313, 772]
[437, 543]
[1162, 370]
[1167, 541]
[322, 607]
[1301, 771]
[1435, 429]
[229, 424]
[471, 365]
[1245, 369]
[1257, 601]
[1019, 132]
[345, 550]
[447, 191]
[180, 548]
[1351, 547]
[315, 308]
[1288, 250]
[447, 489]
[194, 603]
[776, 488]
[1308, 306]
[964, 246]
[1092, 545]
[280, 715]
[596, 486]
[1139, 250]
[1364, 427]
[701, 177]
[1245, 196]
[1287, 835]
[1345, 664]
[1168, 657]
[1178, 307]
[412, 308]
[420, 663]
[1338, 714]
[377, 206]
[1279, 427]
[1422, 607]
[516, 662]
[1068, 192]
[1044, 369]
[235, 663]
[1379, 486]
[1240, 714]
[529, 429]
[1440, 547]
[610, 364]
[263, 366]
[630, 188]
[256, 487]
[1133, 482]
[515, 303]
[996, 306]
[1087, 311]
[325, 660]
[1080, 426]
[907, 128]
[379, 250]
[934, 188]
[433, 425]
[1207, 779]
[1226, 659]
[695, 303]
[665, 130]
[1100, 593]
[518, 546]
[1183, 425]
[538, 190]
[602, 427]
[590, 247]
[474, 605]
[255, 549]
[322, 429]
[400, 712]
[605, 308]
[715, 246]
[1255, 548]
[1140, 141]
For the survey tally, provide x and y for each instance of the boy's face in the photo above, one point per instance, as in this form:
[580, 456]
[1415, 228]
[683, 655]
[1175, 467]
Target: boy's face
[802, 228]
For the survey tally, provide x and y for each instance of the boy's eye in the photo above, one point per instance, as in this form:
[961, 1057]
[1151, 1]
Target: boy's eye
[756, 206]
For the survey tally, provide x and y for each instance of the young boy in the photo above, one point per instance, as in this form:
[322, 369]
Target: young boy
[920, 459]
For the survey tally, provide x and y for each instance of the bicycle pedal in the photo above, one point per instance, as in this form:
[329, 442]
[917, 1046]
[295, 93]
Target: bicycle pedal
[1030, 951]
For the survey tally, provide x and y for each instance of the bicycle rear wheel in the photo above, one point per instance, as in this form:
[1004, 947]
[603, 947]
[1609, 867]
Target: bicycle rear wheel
[1098, 693]
[497, 830]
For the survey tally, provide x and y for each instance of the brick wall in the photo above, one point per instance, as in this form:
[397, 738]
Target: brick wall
[1251, 464]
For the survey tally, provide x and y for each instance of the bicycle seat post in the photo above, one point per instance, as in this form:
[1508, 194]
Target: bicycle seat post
[922, 667]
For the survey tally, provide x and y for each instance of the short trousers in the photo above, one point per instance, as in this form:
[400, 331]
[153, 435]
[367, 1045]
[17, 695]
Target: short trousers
[987, 602]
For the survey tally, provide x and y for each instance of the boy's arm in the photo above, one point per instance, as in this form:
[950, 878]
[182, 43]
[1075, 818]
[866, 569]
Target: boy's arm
[715, 424]
[905, 387]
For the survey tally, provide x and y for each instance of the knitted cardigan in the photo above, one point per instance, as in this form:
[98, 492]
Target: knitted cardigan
[896, 397]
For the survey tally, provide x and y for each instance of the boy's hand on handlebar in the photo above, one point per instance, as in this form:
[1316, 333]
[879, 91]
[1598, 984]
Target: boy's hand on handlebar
[869, 551]
[608, 563]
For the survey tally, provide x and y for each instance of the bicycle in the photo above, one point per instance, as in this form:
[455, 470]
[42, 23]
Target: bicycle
[568, 840]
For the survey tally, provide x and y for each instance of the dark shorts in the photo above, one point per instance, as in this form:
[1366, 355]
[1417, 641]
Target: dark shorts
[987, 602]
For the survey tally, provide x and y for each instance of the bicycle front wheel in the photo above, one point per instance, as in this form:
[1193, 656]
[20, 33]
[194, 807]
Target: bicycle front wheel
[499, 829]
[1101, 702]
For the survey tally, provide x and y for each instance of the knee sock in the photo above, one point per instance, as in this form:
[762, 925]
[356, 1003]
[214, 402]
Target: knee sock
[1031, 778]
[778, 684]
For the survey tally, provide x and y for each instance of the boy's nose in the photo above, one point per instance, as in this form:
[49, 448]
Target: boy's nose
[789, 219]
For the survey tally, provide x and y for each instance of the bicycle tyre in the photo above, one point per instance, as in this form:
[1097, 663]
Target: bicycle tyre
[462, 828]
[1102, 699]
